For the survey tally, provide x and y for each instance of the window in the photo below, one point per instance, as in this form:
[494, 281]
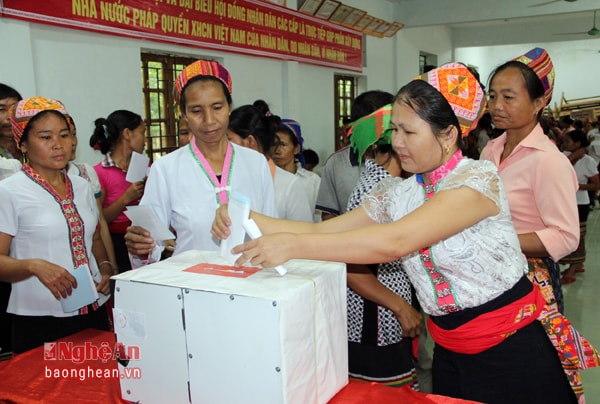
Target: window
[345, 92]
[427, 62]
[158, 74]
[422, 63]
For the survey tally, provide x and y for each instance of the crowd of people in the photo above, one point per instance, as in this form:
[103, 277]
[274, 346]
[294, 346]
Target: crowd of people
[435, 204]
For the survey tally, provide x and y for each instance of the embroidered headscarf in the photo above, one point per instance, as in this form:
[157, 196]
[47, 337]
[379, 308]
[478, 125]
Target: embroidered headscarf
[22, 112]
[201, 68]
[370, 129]
[294, 126]
[539, 61]
[461, 89]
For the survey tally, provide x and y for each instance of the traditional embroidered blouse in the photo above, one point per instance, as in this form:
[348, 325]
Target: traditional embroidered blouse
[37, 224]
[477, 264]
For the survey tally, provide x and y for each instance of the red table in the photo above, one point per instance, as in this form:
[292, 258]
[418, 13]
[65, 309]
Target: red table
[33, 377]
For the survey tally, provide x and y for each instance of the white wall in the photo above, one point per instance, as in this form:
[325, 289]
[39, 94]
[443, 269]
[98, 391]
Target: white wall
[434, 40]
[576, 64]
[95, 74]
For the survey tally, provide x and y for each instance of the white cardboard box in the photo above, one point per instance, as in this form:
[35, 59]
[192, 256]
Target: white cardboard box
[215, 339]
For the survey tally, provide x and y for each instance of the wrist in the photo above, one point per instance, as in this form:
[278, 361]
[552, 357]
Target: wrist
[112, 269]
[399, 306]
[123, 201]
[31, 267]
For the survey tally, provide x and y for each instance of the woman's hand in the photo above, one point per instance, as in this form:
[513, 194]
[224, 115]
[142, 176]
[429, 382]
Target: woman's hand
[134, 192]
[410, 320]
[104, 285]
[268, 251]
[138, 241]
[220, 227]
[57, 279]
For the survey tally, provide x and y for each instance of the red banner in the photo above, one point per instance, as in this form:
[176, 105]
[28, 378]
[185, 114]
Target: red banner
[239, 26]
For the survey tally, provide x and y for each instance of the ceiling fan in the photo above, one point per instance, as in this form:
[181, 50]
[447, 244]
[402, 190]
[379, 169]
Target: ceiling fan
[592, 31]
[551, 2]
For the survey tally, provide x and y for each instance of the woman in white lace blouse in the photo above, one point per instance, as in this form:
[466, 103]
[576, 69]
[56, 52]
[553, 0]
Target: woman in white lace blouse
[451, 226]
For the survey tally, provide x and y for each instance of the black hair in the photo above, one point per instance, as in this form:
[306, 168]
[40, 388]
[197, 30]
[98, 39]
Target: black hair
[108, 130]
[533, 84]
[384, 148]
[71, 122]
[566, 119]
[9, 92]
[183, 100]
[579, 136]
[485, 122]
[36, 118]
[248, 120]
[311, 157]
[431, 106]
[578, 124]
[262, 107]
[369, 101]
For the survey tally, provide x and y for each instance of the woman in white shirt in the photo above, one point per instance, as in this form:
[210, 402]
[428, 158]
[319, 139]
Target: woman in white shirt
[250, 127]
[287, 154]
[186, 186]
[48, 232]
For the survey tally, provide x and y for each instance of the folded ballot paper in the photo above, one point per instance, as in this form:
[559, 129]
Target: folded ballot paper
[145, 216]
[138, 167]
[85, 293]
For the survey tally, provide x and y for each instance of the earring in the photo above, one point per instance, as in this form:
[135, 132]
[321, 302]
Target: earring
[447, 149]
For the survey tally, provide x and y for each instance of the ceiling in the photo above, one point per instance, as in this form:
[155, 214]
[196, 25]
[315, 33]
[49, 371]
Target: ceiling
[532, 19]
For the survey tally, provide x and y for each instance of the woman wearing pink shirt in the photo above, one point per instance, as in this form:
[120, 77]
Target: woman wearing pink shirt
[117, 137]
[540, 182]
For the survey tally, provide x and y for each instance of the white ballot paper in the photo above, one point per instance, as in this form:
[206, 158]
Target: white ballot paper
[144, 216]
[238, 210]
[85, 293]
[138, 167]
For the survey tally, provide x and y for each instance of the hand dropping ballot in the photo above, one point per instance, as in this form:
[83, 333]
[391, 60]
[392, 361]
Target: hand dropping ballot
[239, 212]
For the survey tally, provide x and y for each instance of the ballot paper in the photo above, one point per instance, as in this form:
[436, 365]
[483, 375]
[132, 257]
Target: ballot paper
[238, 210]
[145, 216]
[85, 293]
[138, 167]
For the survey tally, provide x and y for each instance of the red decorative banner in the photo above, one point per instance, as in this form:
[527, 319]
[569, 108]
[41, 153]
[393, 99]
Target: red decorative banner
[240, 26]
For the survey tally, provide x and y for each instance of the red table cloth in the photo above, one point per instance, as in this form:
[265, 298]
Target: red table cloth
[37, 377]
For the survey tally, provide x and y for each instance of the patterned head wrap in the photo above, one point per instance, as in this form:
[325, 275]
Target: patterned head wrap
[540, 62]
[294, 126]
[22, 112]
[462, 90]
[201, 68]
[370, 129]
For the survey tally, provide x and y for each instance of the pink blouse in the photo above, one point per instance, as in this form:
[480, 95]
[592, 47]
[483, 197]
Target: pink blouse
[541, 185]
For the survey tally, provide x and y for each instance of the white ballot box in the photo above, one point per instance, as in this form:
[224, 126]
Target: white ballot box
[204, 338]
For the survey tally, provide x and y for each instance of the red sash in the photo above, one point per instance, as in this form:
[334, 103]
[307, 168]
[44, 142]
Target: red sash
[491, 328]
